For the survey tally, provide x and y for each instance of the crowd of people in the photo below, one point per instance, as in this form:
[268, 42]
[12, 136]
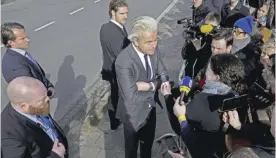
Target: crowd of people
[238, 53]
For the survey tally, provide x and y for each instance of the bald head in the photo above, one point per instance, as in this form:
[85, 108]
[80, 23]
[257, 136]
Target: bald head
[25, 90]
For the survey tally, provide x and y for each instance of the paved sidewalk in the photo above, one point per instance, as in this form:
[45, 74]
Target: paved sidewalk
[88, 131]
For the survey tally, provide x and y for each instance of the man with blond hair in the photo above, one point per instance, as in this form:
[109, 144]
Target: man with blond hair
[136, 69]
[28, 130]
[113, 37]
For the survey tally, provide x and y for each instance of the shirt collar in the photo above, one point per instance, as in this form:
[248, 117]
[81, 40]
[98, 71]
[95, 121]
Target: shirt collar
[140, 54]
[29, 116]
[20, 51]
[118, 24]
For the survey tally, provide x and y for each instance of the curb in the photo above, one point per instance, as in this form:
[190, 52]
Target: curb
[89, 105]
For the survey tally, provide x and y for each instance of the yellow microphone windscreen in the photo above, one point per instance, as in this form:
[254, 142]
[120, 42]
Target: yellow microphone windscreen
[206, 28]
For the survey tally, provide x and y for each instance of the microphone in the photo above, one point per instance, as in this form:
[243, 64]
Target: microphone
[185, 87]
[206, 28]
[163, 77]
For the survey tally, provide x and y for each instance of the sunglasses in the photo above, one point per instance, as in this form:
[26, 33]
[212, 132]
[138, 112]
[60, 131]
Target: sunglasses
[237, 31]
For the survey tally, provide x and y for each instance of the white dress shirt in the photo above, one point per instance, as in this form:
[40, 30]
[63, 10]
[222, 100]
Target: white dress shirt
[20, 51]
[142, 58]
[118, 24]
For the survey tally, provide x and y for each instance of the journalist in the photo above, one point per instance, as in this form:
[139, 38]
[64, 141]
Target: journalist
[233, 11]
[197, 59]
[222, 43]
[261, 142]
[267, 55]
[224, 74]
[200, 11]
[246, 48]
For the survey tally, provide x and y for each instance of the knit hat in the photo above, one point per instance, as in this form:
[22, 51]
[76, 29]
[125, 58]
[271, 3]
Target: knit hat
[246, 24]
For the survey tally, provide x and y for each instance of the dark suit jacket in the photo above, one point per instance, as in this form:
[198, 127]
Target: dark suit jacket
[23, 138]
[229, 17]
[133, 105]
[113, 41]
[16, 65]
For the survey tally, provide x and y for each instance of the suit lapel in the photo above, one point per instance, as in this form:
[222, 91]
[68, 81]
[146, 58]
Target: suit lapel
[29, 123]
[153, 63]
[36, 67]
[123, 31]
[137, 60]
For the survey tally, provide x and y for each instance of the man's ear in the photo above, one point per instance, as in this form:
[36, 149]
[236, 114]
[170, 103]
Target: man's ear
[113, 13]
[135, 42]
[23, 106]
[10, 43]
[229, 48]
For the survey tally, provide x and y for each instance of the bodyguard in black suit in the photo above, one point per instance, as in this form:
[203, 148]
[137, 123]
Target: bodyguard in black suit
[16, 61]
[28, 130]
[113, 37]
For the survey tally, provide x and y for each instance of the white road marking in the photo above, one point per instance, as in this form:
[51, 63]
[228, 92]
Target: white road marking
[7, 4]
[97, 1]
[42, 27]
[166, 10]
[76, 11]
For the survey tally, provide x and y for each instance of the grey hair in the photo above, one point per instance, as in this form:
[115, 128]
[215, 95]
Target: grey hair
[142, 24]
[7, 32]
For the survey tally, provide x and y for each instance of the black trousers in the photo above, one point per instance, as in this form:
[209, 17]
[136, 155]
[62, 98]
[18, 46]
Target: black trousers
[144, 136]
[114, 102]
[114, 122]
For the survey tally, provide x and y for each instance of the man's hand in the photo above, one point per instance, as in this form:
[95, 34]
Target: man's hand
[166, 88]
[58, 148]
[225, 117]
[234, 119]
[51, 92]
[179, 109]
[143, 86]
[176, 155]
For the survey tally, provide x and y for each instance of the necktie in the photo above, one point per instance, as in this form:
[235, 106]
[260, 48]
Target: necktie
[28, 55]
[125, 31]
[148, 69]
[46, 120]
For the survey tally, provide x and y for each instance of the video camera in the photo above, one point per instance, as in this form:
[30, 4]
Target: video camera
[194, 31]
[255, 102]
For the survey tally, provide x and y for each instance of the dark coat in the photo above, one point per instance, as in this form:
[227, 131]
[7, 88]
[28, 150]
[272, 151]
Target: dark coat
[196, 60]
[113, 41]
[250, 56]
[214, 5]
[22, 137]
[200, 13]
[206, 122]
[229, 17]
[16, 65]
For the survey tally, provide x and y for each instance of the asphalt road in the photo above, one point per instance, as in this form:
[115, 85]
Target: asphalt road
[64, 38]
